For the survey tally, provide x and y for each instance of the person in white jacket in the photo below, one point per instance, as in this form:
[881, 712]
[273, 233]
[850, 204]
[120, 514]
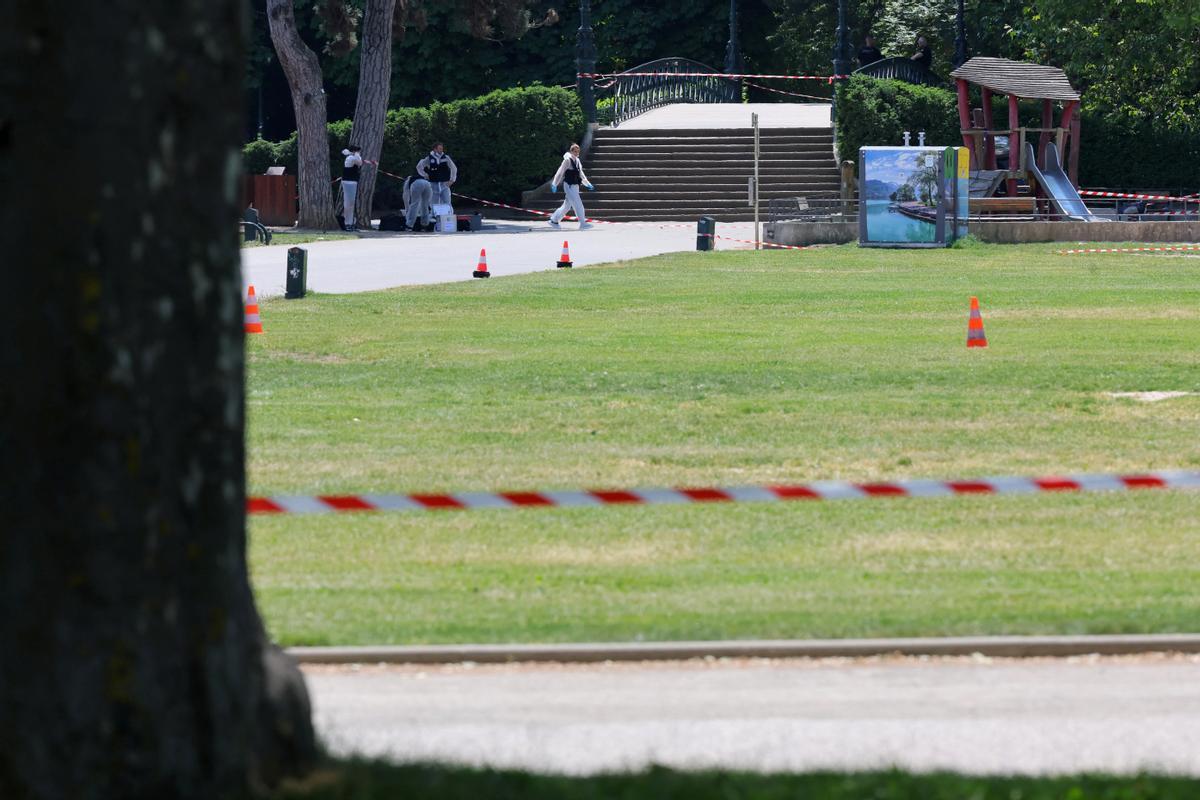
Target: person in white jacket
[570, 176]
[441, 172]
[351, 169]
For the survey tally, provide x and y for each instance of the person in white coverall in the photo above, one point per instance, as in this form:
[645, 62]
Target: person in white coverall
[417, 203]
[570, 176]
[351, 169]
[441, 172]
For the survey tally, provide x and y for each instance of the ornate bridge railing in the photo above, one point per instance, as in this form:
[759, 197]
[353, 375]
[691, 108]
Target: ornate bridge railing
[635, 93]
[903, 69]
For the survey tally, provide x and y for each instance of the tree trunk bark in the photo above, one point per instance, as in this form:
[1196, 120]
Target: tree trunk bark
[303, 72]
[374, 90]
[133, 663]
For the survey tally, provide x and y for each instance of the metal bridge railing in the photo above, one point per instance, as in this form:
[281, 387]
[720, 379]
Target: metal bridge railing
[637, 94]
[901, 69]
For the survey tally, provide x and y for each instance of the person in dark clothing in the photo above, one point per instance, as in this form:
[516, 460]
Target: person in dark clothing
[868, 53]
[923, 56]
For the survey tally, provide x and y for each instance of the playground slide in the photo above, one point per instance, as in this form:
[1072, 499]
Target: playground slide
[1057, 185]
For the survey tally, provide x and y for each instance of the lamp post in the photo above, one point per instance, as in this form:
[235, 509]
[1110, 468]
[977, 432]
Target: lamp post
[585, 61]
[960, 38]
[841, 65]
[733, 55]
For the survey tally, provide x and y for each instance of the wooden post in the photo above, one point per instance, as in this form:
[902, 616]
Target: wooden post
[1047, 123]
[989, 125]
[964, 122]
[1073, 168]
[1014, 142]
[1071, 124]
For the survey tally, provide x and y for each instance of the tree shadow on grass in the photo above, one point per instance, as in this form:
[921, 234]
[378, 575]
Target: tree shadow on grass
[376, 780]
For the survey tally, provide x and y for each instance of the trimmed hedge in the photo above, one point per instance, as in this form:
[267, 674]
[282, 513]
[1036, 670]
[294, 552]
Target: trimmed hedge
[872, 111]
[505, 142]
[1118, 150]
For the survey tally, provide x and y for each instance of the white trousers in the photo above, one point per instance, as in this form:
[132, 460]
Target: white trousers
[441, 193]
[571, 202]
[349, 194]
[418, 203]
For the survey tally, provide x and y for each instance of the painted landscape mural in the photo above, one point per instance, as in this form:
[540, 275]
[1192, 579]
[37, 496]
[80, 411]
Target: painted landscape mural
[901, 192]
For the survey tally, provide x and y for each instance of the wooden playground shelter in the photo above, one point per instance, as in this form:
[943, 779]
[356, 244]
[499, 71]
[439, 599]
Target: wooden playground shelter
[1018, 80]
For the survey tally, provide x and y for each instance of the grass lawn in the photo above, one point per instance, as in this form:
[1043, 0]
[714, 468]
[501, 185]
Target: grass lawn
[361, 780]
[734, 368]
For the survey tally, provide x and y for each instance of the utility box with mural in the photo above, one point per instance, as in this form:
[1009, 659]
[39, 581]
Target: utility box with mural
[912, 196]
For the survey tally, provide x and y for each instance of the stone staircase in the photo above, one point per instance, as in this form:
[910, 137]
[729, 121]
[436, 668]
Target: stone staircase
[649, 174]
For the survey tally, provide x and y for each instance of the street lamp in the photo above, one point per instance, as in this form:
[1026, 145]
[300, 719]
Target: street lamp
[733, 56]
[841, 66]
[585, 61]
[960, 38]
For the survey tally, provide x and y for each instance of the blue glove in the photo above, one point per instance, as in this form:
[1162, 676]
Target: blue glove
[589, 187]
[554, 188]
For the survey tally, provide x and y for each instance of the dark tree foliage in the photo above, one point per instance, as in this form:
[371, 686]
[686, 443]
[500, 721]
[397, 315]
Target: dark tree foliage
[445, 53]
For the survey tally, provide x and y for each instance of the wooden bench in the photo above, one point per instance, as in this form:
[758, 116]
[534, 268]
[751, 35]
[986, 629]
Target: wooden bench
[1002, 205]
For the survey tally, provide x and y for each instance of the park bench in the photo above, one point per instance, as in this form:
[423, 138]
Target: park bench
[1014, 206]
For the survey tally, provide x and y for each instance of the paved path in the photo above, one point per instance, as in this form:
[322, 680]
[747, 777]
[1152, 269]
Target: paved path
[735, 115]
[1036, 716]
[383, 260]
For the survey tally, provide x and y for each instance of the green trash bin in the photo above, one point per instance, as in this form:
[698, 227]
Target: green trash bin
[296, 283]
[706, 229]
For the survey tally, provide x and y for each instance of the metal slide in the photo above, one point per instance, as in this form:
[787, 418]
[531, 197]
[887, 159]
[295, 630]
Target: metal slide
[1058, 187]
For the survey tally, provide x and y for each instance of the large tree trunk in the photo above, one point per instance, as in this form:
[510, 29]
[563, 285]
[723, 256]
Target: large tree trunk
[133, 663]
[374, 90]
[303, 72]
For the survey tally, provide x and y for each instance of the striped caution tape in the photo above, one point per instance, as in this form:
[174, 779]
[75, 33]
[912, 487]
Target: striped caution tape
[1178, 248]
[789, 94]
[1097, 193]
[571, 217]
[753, 241]
[821, 490]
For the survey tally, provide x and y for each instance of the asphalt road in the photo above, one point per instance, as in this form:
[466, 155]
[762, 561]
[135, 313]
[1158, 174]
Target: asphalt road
[975, 715]
[385, 260]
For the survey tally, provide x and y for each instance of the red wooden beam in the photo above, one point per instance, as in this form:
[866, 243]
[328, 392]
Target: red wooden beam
[990, 124]
[964, 121]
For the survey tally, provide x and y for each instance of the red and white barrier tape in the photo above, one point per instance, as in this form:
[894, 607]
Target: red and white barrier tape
[1179, 248]
[1095, 193]
[571, 217]
[752, 241]
[781, 91]
[822, 490]
[594, 75]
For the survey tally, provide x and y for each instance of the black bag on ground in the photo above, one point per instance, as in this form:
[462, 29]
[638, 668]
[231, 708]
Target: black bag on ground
[392, 222]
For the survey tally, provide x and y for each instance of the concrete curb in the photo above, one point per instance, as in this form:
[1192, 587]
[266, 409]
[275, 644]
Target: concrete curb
[993, 646]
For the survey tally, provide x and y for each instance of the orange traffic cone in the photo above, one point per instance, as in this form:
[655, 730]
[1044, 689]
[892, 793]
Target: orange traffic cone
[481, 271]
[253, 323]
[975, 335]
[564, 260]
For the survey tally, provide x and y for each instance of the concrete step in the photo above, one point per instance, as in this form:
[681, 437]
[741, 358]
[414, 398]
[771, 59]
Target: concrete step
[687, 207]
[663, 179]
[712, 151]
[735, 141]
[623, 193]
[712, 133]
[715, 163]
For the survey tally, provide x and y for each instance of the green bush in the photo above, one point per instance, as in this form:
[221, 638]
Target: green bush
[504, 142]
[1119, 149]
[1138, 153]
[871, 111]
